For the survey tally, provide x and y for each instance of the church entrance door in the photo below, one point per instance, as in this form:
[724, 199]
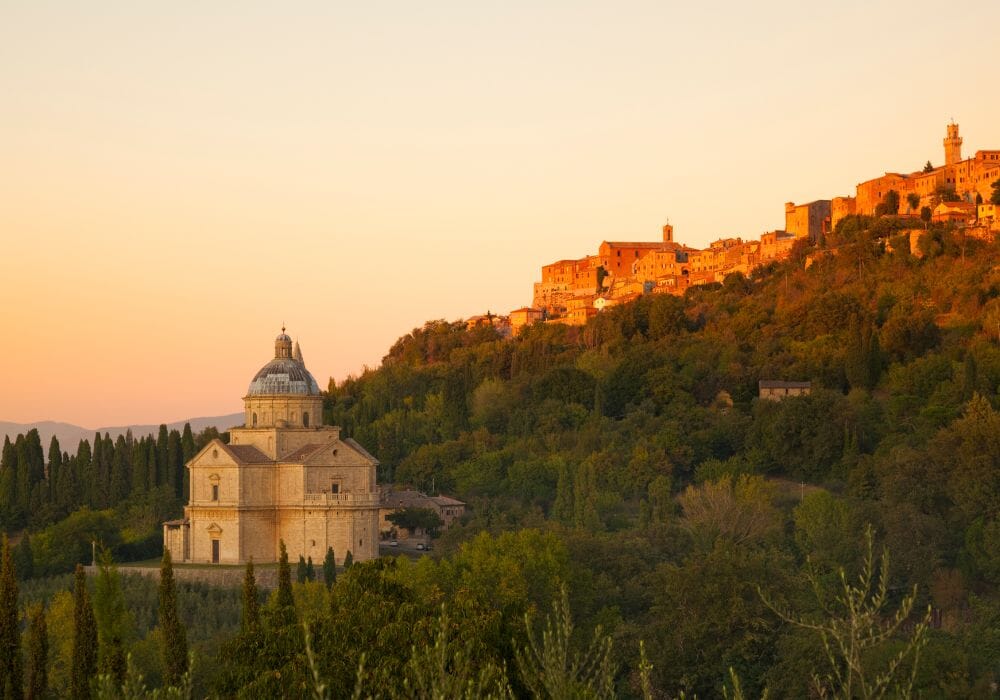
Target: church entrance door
[215, 551]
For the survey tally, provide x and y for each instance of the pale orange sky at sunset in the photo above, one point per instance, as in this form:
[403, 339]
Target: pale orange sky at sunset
[178, 179]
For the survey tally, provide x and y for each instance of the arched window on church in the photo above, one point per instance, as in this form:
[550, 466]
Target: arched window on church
[255, 419]
[305, 419]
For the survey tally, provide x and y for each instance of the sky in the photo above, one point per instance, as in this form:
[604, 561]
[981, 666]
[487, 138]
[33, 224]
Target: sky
[179, 179]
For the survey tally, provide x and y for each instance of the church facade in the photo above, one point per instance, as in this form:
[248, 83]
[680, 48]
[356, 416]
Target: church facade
[283, 476]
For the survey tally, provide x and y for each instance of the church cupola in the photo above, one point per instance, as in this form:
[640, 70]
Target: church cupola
[282, 346]
[283, 394]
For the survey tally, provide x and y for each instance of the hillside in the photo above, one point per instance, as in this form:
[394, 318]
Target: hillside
[597, 430]
[631, 460]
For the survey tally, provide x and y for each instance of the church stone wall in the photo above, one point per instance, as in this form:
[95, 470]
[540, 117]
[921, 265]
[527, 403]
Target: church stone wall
[290, 410]
[258, 536]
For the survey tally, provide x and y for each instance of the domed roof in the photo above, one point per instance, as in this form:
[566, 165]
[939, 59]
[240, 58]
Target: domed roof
[284, 374]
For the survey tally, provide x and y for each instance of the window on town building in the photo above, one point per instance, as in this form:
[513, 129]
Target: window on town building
[335, 487]
[215, 492]
[305, 419]
[255, 419]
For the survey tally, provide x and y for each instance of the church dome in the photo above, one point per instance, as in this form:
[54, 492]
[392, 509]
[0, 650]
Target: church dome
[285, 374]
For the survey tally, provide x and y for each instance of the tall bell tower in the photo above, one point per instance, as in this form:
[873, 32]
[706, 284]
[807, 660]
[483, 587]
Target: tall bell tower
[952, 145]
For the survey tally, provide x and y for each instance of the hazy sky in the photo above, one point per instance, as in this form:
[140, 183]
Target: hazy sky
[177, 179]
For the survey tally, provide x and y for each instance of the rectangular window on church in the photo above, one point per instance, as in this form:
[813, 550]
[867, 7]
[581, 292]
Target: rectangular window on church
[335, 487]
[215, 492]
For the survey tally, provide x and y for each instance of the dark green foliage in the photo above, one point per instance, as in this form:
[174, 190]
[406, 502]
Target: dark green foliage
[300, 570]
[283, 599]
[329, 568]
[250, 619]
[415, 519]
[174, 646]
[348, 560]
[11, 670]
[84, 638]
[113, 622]
[24, 562]
[889, 204]
[38, 654]
[310, 570]
[946, 193]
[995, 194]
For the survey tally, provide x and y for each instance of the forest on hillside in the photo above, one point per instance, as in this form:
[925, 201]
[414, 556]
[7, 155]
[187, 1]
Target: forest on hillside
[630, 462]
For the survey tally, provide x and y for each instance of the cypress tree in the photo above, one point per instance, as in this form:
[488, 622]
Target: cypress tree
[162, 470]
[188, 448]
[38, 655]
[174, 637]
[310, 570]
[7, 457]
[84, 639]
[251, 600]
[109, 609]
[283, 596]
[329, 568]
[153, 478]
[348, 560]
[22, 480]
[137, 459]
[85, 474]
[175, 463]
[54, 467]
[36, 456]
[119, 487]
[11, 674]
[300, 570]
[7, 485]
[101, 472]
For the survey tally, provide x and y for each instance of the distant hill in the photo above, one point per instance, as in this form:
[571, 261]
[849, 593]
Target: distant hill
[69, 435]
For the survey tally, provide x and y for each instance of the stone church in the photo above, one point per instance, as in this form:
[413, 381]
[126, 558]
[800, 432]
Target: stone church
[283, 476]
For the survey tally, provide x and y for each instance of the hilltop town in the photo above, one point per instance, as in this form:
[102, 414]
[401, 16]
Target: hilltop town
[573, 290]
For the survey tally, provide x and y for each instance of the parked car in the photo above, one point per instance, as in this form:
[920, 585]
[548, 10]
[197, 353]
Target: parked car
[393, 543]
[421, 545]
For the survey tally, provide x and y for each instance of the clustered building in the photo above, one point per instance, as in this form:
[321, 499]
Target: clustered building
[573, 290]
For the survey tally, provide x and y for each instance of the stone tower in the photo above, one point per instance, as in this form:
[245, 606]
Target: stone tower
[952, 145]
[668, 233]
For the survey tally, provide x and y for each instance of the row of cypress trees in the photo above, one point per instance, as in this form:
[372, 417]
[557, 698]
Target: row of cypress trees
[37, 491]
[98, 633]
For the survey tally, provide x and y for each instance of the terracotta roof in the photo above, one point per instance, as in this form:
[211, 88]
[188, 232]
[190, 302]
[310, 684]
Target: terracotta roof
[447, 501]
[641, 244]
[406, 499]
[526, 308]
[301, 453]
[248, 454]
